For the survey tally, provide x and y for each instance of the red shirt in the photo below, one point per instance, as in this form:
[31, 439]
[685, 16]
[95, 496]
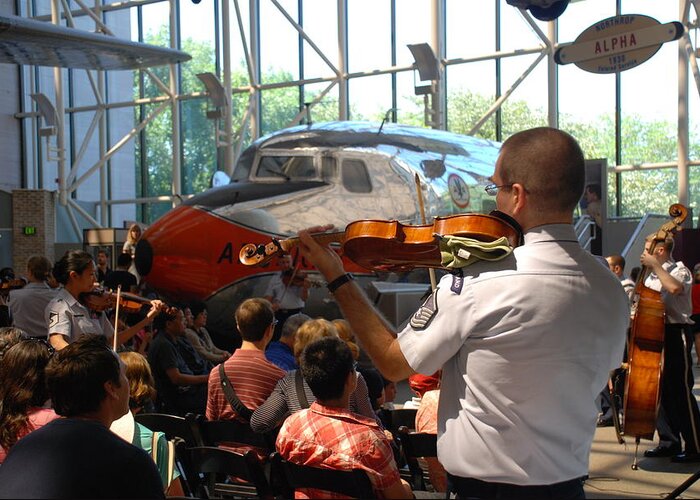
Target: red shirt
[253, 378]
[696, 298]
[336, 438]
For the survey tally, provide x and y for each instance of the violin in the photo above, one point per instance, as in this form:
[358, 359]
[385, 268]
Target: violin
[289, 278]
[100, 299]
[14, 284]
[392, 246]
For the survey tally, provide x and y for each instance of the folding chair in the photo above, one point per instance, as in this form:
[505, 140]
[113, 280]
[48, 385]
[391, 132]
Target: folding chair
[393, 419]
[216, 432]
[240, 475]
[354, 483]
[417, 445]
[184, 432]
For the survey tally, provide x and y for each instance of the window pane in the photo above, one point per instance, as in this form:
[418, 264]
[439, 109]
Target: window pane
[198, 146]
[370, 97]
[365, 31]
[637, 185]
[356, 177]
[279, 42]
[470, 93]
[468, 33]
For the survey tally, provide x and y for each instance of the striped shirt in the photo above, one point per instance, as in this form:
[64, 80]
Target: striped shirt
[253, 378]
[336, 438]
[284, 401]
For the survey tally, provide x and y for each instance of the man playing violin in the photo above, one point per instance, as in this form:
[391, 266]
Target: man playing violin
[524, 343]
[287, 292]
[67, 318]
[678, 414]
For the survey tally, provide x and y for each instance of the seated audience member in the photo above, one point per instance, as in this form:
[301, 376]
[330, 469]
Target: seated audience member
[179, 390]
[122, 276]
[281, 352]
[328, 434]
[23, 392]
[420, 384]
[27, 304]
[347, 335]
[426, 421]
[287, 399]
[252, 377]
[198, 365]
[77, 456]
[389, 394]
[375, 386]
[9, 336]
[199, 337]
[142, 393]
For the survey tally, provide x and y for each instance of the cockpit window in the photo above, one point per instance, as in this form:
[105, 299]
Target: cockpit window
[287, 167]
[356, 177]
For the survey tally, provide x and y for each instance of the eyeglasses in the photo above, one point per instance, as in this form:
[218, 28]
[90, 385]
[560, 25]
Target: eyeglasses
[43, 342]
[492, 189]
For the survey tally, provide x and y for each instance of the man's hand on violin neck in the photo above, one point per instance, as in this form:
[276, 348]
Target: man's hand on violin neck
[321, 256]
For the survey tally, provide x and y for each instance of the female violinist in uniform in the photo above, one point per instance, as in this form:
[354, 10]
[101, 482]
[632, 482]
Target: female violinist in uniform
[67, 318]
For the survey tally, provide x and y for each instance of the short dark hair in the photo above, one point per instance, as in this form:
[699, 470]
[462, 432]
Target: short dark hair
[253, 318]
[325, 365]
[549, 163]
[76, 375]
[292, 324]
[72, 260]
[124, 260]
[165, 316]
[39, 266]
[197, 307]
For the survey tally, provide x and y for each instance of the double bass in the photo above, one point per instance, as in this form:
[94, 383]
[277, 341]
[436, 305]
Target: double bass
[645, 347]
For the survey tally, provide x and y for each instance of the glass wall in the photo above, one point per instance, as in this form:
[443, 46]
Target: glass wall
[488, 45]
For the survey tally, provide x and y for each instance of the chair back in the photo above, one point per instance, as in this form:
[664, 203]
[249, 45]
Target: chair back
[241, 475]
[184, 432]
[393, 419]
[216, 432]
[354, 483]
[417, 445]
[185, 428]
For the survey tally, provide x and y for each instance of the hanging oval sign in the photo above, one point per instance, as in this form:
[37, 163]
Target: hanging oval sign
[618, 43]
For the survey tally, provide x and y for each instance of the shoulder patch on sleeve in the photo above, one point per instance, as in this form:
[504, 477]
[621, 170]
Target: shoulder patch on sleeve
[425, 313]
[53, 319]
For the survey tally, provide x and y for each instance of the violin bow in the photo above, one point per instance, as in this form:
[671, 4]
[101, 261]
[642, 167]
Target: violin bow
[116, 318]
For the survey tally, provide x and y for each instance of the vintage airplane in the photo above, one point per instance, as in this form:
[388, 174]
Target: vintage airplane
[325, 173]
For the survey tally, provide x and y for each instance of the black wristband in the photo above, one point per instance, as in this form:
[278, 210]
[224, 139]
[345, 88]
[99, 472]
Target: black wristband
[339, 281]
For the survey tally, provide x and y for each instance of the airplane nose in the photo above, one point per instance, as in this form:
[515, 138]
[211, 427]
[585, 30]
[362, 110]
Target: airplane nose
[143, 258]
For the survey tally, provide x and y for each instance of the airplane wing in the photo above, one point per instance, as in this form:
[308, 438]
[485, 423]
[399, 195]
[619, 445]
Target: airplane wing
[26, 41]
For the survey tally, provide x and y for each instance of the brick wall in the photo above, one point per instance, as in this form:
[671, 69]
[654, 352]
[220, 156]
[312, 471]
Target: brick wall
[32, 208]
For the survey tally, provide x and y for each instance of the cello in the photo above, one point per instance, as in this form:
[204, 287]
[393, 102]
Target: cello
[645, 347]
